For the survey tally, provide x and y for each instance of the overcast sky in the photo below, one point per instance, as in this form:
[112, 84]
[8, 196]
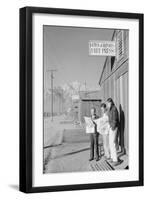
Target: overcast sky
[66, 49]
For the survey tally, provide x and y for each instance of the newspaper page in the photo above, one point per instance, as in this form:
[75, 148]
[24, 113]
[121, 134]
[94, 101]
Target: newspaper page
[90, 127]
[102, 125]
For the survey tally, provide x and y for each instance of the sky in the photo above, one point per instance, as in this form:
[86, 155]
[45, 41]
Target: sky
[66, 50]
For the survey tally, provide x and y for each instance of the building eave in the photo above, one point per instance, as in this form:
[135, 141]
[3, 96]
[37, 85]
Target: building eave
[105, 61]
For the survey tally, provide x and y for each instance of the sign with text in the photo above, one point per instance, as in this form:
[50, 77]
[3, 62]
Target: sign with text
[75, 97]
[102, 48]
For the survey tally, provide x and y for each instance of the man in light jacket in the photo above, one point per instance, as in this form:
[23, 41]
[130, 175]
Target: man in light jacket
[94, 137]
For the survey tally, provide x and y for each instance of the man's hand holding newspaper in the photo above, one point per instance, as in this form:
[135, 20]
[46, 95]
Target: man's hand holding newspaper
[101, 124]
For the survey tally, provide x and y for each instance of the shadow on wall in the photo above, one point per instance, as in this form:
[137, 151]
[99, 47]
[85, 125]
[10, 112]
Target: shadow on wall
[121, 129]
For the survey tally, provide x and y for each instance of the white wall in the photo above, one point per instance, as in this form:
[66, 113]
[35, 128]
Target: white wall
[9, 119]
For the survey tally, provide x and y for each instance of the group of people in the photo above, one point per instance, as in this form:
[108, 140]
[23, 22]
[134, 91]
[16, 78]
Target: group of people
[107, 126]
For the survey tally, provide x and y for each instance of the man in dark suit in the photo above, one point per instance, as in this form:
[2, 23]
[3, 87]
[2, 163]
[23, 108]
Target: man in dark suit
[94, 138]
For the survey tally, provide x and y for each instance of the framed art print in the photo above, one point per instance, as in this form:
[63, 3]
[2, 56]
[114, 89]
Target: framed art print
[81, 99]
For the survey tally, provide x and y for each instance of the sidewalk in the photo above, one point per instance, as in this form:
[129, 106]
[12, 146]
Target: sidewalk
[74, 157]
[67, 149]
[68, 157]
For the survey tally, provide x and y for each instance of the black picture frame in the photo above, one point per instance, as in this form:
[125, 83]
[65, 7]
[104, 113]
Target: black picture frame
[26, 96]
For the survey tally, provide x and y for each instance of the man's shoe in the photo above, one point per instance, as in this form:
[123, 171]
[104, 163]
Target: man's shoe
[110, 160]
[90, 159]
[117, 163]
[106, 158]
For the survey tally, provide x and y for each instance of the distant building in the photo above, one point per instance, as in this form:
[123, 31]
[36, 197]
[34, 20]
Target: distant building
[87, 100]
[114, 82]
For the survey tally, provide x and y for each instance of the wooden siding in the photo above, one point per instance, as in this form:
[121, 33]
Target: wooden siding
[114, 84]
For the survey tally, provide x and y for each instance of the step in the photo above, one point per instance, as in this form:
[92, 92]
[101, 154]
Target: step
[101, 165]
[123, 165]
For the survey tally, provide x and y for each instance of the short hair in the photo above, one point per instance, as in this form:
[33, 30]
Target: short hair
[110, 100]
[103, 105]
[93, 108]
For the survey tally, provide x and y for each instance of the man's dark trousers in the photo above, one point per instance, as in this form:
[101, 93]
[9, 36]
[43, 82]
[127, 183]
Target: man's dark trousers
[94, 146]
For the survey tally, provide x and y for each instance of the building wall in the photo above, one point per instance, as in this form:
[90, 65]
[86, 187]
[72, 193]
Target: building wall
[114, 83]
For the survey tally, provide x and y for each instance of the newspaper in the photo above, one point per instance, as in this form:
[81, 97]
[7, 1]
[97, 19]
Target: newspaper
[102, 125]
[90, 127]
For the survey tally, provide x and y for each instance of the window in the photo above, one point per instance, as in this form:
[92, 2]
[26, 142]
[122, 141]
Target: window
[120, 45]
[112, 62]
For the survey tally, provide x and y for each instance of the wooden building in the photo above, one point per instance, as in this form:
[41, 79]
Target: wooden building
[81, 107]
[114, 83]
[88, 100]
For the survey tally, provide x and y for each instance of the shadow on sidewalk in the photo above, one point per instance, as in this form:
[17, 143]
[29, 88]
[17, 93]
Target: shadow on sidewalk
[70, 153]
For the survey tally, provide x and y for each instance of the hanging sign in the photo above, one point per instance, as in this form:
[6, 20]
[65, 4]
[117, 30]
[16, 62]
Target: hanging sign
[102, 48]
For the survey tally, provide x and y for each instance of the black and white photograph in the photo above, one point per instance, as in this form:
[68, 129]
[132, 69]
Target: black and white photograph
[72, 100]
[81, 99]
[85, 99]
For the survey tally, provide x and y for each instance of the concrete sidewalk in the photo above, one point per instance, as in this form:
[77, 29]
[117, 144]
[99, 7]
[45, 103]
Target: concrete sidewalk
[74, 157]
[67, 149]
[68, 157]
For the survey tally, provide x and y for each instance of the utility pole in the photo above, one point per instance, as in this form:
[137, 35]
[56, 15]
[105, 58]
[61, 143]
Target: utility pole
[85, 87]
[52, 91]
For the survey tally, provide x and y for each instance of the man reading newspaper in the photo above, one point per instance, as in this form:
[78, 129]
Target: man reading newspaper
[91, 129]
